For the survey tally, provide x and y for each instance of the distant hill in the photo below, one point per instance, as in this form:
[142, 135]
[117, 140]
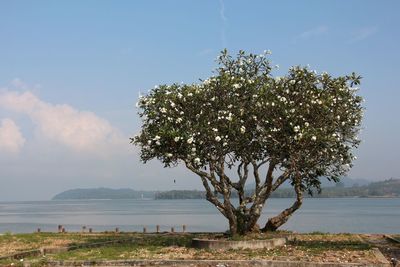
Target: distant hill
[103, 193]
[181, 194]
[387, 188]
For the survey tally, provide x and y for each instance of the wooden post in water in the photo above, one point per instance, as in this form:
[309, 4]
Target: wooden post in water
[63, 230]
[60, 227]
[184, 228]
[117, 230]
[144, 230]
[158, 229]
[172, 230]
[83, 228]
[38, 230]
[90, 230]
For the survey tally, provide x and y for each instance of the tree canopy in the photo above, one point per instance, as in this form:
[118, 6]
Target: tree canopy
[299, 127]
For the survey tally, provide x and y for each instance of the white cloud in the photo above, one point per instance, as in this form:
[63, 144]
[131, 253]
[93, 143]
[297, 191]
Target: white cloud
[78, 130]
[11, 139]
[313, 32]
[224, 20]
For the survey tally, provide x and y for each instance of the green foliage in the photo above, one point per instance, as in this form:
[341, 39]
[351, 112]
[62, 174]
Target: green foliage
[304, 120]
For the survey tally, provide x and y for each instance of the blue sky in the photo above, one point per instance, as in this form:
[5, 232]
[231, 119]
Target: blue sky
[68, 64]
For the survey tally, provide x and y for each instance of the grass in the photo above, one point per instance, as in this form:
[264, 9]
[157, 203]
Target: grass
[317, 247]
[309, 247]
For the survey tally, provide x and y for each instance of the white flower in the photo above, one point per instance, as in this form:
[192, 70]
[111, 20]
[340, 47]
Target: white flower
[215, 129]
[272, 104]
[190, 140]
[306, 124]
[149, 142]
[314, 138]
[179, 95]
[176, 139]
[225, 144]
[197, 160]
[242, 129]
[296, 128]
[172, 104]
[158, 143]
[292, 81]
[179, 120]
[217, 138]
[193, 149]
[157, 137]
[236, 86]
[169, 155]
[190, 94]
[163, 110]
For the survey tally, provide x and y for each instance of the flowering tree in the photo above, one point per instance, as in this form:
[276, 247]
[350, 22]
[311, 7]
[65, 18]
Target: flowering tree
[267, 130]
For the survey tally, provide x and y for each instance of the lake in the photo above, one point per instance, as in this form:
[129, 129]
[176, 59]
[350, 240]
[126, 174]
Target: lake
[352, 215]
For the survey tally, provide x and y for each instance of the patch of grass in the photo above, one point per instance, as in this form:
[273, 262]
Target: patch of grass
[9, 262]
[11, 243]
[319, 233]
[317, 246]
[166, 240]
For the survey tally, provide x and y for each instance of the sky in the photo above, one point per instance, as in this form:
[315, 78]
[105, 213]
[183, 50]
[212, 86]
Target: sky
[71, 73]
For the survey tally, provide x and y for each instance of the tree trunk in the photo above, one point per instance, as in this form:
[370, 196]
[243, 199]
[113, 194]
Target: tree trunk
[275, 222]
[242, 224]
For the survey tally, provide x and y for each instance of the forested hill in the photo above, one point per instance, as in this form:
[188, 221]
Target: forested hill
[103, 193]
[387, 188]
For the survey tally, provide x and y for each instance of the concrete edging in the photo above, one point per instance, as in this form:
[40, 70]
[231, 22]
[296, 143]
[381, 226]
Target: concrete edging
[378, 254]
[243, 244]
[22, 254]
[391, 238]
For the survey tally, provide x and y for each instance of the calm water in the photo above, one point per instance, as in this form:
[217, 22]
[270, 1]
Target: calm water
[327, 215]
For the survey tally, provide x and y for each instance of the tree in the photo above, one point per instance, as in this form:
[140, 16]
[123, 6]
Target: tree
[242, 120]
